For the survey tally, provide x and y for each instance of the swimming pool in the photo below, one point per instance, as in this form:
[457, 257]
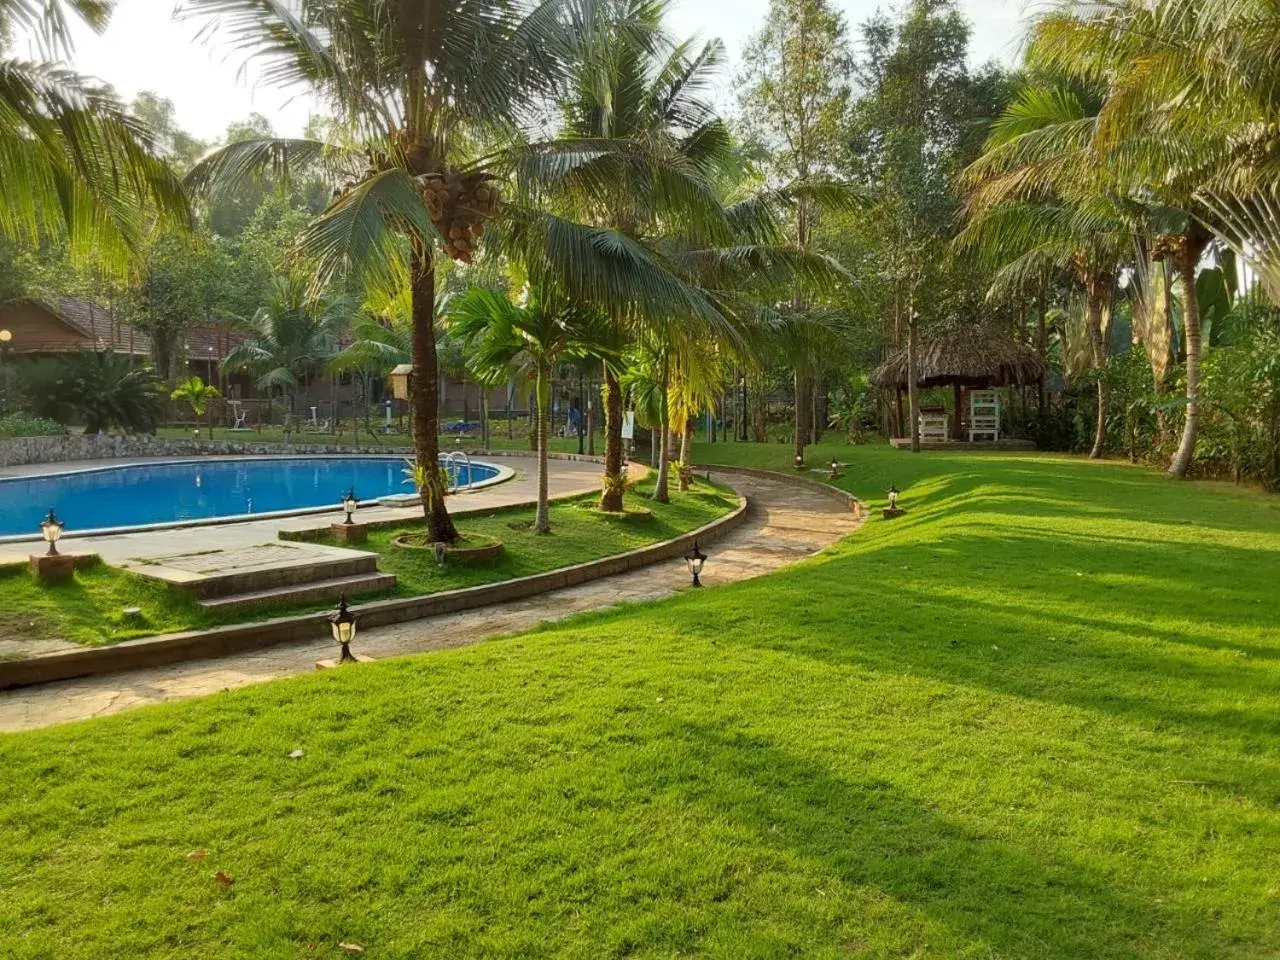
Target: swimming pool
[193, 490]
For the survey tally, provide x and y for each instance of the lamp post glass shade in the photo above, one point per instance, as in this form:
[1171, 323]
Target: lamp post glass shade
[695, 558]
[799, 461]
[343, 625]
[349, 503]
[5, 336]
[51, 529]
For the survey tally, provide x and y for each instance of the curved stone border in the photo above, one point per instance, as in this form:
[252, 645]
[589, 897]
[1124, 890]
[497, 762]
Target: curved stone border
[486, 551]
[856, 506]
[202, 644]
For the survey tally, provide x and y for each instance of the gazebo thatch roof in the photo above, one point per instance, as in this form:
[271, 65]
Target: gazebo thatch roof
[970, 358]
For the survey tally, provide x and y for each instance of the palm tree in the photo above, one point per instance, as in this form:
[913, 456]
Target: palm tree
[415, 86]
[649, 147]
[1039, 202]
[74, 165]
[294, 335]
[1187, 124]
[541, 330]
[198, 394]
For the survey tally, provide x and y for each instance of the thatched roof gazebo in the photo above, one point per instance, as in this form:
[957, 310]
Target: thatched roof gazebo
[973, 359]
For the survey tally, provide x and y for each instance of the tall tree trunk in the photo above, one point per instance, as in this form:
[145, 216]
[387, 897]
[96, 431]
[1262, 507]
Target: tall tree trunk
[1042, 349]
[611, 498]
[661, 491]
[534, 416]
[426, 414]
[686, 457]
[1096, 297]
[1186, 258]
[541, 520]
[913, 390]
[802, 414]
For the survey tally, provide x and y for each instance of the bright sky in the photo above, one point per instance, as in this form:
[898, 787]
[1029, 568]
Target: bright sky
[144, 49]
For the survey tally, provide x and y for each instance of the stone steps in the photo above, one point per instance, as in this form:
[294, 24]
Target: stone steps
[308, 592]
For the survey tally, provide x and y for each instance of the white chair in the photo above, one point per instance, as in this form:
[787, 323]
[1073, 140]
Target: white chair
[933, 426]
[984, 415]
[241, 421]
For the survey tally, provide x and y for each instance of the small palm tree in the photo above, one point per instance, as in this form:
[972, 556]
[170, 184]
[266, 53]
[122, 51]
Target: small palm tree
[539, 331]
[294, 335]
[198, 395]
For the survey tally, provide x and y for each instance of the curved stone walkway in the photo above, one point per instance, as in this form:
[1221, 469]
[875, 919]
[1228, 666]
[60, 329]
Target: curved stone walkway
[786, 522]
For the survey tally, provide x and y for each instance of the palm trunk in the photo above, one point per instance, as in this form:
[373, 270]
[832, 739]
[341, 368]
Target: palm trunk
[1042, 349]
[661, 491]
[802, 407]
[425, 406]
[541, 520]
[1093, 318]
[913, 390]
[1186, 259]
[686, 458]
[611, 498]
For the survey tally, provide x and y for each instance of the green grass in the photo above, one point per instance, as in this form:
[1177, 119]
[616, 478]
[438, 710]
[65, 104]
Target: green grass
[89, 610]
[1038, 716]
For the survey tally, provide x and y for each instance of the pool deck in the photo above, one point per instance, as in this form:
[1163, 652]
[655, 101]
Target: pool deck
[567, 477]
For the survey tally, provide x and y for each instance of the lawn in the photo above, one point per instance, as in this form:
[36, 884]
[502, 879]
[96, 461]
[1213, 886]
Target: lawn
[90, 610]
[1038, 716]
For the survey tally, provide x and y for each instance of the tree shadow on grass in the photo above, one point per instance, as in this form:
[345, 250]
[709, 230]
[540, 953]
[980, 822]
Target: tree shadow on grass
[985, 893]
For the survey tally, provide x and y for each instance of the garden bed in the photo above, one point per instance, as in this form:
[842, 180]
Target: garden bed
[88, 610]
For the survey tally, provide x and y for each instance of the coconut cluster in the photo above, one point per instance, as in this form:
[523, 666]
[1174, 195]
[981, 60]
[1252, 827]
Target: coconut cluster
[459, 205]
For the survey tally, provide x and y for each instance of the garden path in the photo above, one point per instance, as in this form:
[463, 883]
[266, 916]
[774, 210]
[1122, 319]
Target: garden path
[786, 522]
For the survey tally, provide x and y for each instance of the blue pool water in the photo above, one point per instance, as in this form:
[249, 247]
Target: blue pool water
[168, 492]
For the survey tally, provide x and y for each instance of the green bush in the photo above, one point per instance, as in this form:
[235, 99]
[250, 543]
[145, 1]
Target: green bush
[29, 425]
[104, 391]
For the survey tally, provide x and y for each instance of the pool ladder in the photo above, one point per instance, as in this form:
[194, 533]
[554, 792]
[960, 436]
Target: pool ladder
[451, 463]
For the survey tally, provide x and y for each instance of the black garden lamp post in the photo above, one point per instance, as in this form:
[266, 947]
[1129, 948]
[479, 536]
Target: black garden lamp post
[893, 498]
[349, 504]
[799, 461]
[695, 558]
[343, 625]
[51, 528]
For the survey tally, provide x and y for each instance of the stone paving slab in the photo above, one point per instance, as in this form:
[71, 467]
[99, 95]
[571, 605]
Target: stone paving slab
[787, 522]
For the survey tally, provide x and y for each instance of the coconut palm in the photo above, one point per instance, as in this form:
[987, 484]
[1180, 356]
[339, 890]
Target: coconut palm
[73, 164]
[649, 147]
[293, 336]
[541, 330]
[415, 86]
[1187, 124]
[1039, 202]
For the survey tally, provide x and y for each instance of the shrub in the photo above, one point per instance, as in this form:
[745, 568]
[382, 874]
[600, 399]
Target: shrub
[29, 425]
[103, 390]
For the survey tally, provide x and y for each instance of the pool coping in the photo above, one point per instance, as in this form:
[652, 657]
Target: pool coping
[220, 641]
[503, 475]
